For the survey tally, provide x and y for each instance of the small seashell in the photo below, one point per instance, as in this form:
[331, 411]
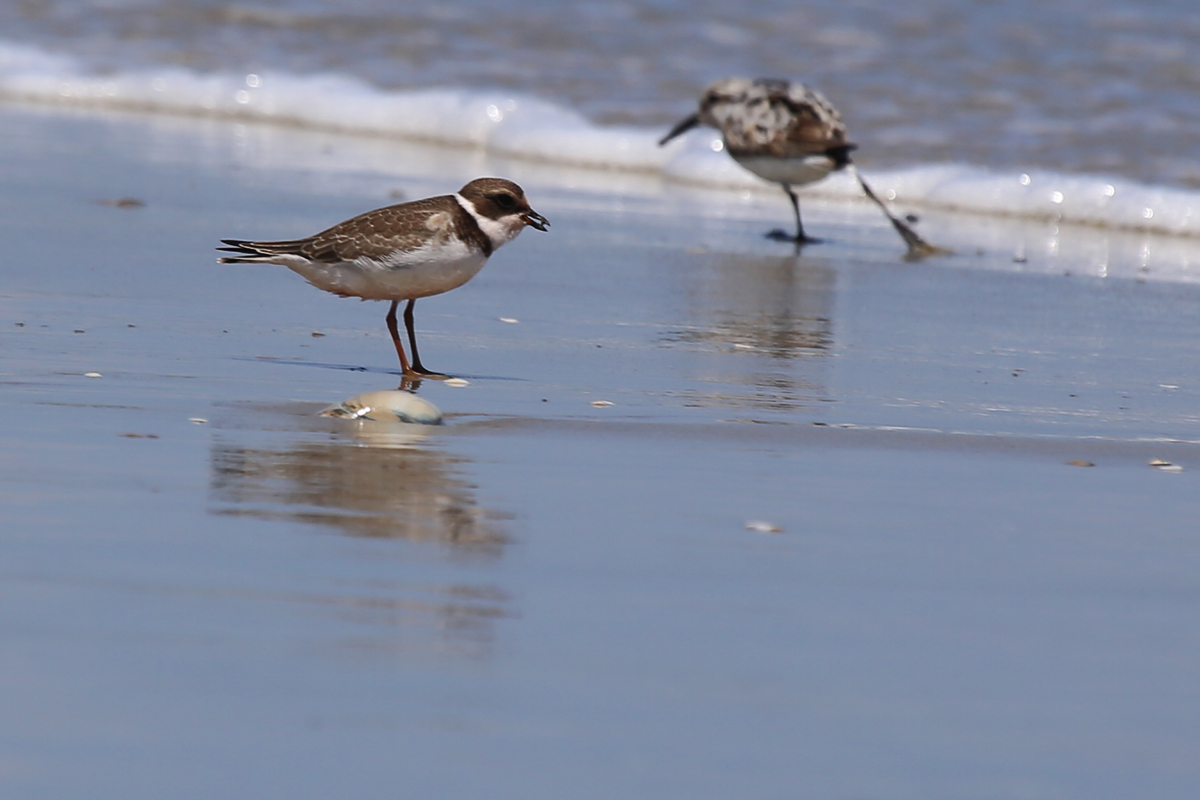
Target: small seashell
[387, 406]
[456, 382]
[761, 526]
[197, 420]
[602, 403]
[1158, 462]
[510, 320]
[92, 375]
[1080, 464]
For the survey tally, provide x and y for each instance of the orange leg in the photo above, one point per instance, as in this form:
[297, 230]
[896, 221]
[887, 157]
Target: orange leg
[416, 367]
[391, 324]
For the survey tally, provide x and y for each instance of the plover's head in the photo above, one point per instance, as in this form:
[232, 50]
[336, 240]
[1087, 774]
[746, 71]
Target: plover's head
[501, 205]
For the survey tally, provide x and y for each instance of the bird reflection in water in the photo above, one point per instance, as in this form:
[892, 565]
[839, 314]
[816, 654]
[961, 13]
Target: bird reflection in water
[775, 313]
[363, 478]
[384, 481]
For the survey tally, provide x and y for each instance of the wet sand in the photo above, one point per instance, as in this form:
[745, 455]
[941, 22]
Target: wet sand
[210, 590]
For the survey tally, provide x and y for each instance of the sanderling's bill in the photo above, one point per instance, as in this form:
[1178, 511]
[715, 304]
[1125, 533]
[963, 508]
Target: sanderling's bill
[405, 251]
[786, 133]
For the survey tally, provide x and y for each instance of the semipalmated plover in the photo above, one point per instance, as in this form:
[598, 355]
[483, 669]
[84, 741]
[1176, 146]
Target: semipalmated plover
[786, 133]
[405, 251]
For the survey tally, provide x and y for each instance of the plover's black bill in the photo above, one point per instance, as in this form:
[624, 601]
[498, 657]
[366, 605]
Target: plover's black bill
[536, 221]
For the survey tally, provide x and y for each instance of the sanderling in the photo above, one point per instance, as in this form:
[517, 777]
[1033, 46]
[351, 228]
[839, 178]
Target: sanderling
[405, 251]
[786, 133]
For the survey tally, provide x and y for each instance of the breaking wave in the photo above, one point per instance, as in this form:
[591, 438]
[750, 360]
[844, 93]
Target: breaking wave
[520, 126]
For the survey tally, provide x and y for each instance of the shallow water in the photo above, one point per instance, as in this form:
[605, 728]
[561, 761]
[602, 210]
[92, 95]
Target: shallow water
[212, 590]
[1102, 86]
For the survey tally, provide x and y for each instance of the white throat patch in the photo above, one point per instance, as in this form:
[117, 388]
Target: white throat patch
[499, 231]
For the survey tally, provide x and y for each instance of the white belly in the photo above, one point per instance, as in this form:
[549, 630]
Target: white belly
[404, 276]
[795, 171]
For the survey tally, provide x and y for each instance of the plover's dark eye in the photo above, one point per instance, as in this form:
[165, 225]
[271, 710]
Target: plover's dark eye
[506, 201]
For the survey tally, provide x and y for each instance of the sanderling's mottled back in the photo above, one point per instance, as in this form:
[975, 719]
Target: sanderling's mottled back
[786, 133]
[405, 251]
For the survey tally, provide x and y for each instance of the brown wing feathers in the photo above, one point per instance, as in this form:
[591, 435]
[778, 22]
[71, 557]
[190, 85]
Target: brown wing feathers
[374, 235]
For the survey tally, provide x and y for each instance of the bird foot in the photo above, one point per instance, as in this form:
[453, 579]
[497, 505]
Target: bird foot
[418, 372]
[779, 235]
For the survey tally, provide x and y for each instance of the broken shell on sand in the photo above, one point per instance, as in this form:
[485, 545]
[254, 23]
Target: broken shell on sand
[387, 406]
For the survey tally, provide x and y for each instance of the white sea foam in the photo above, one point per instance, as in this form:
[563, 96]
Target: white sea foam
[529, 128]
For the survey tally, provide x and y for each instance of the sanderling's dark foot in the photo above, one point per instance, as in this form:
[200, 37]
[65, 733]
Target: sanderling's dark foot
[780, 235]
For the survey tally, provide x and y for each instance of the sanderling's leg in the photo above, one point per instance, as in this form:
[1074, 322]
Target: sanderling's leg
[917, 247]
[799, 238]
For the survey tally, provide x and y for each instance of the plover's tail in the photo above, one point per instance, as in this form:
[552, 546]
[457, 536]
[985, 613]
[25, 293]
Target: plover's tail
[258, 252]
